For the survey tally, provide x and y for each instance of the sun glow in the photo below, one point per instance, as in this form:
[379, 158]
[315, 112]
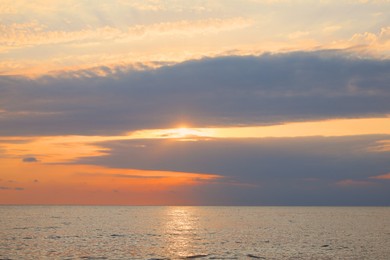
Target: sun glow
[334, 127]
[184, 132]
[180, 133]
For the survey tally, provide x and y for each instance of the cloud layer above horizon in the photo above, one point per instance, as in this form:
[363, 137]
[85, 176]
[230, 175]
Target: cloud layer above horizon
[96, 102]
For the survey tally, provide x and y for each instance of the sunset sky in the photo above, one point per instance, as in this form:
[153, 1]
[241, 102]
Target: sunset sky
[220, 102]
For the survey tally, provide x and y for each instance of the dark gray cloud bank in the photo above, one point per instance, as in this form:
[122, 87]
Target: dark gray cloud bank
[249, 90]
[267, 171]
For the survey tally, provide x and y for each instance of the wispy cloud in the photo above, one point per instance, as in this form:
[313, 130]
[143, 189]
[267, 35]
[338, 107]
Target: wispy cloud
[381, 146]
[33, 33]
[355, 183]
[11, 188]
[38, 36]
[29, 159]
[149, 5]
[376, 43]
[382, 177]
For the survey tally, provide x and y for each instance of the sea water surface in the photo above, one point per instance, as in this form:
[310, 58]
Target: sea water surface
[126, 232]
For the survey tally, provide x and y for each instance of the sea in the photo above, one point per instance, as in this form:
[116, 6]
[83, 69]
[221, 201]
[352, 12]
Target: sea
[171, 232]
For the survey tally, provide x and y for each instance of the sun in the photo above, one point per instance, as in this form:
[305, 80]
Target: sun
[184, 132]
[181, 133]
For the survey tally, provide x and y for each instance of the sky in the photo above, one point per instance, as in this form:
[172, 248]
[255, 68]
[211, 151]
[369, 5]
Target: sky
[224, 102]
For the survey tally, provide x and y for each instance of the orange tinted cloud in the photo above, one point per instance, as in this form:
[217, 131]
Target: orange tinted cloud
[33, 33]
[382, 177]
[38, 36]
[381, 146]
[51, 149]
[354, 183]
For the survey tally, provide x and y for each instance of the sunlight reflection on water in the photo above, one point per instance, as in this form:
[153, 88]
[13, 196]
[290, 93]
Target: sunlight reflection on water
[180, 230]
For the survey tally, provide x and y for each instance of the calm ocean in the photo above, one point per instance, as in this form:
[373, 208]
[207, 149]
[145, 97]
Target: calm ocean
[120, 232]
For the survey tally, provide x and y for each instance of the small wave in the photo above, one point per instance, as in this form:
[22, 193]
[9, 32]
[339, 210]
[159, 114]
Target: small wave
[194, 256]
[93, 257]
[54, 237]
[117, 235]
[255, 256]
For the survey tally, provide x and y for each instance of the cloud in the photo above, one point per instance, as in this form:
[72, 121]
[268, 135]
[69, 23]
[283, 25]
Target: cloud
[252, 159]
[298, 34]
[126, 176]
[18, 35]
[30, 159]
[372, 1]
[381, 146]
[150, 5]
[11, 188]
[382, 177]
[281, 171]
[355, 183]
[378, 42]
[61, 35]
[250, 90]
[8, 9]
